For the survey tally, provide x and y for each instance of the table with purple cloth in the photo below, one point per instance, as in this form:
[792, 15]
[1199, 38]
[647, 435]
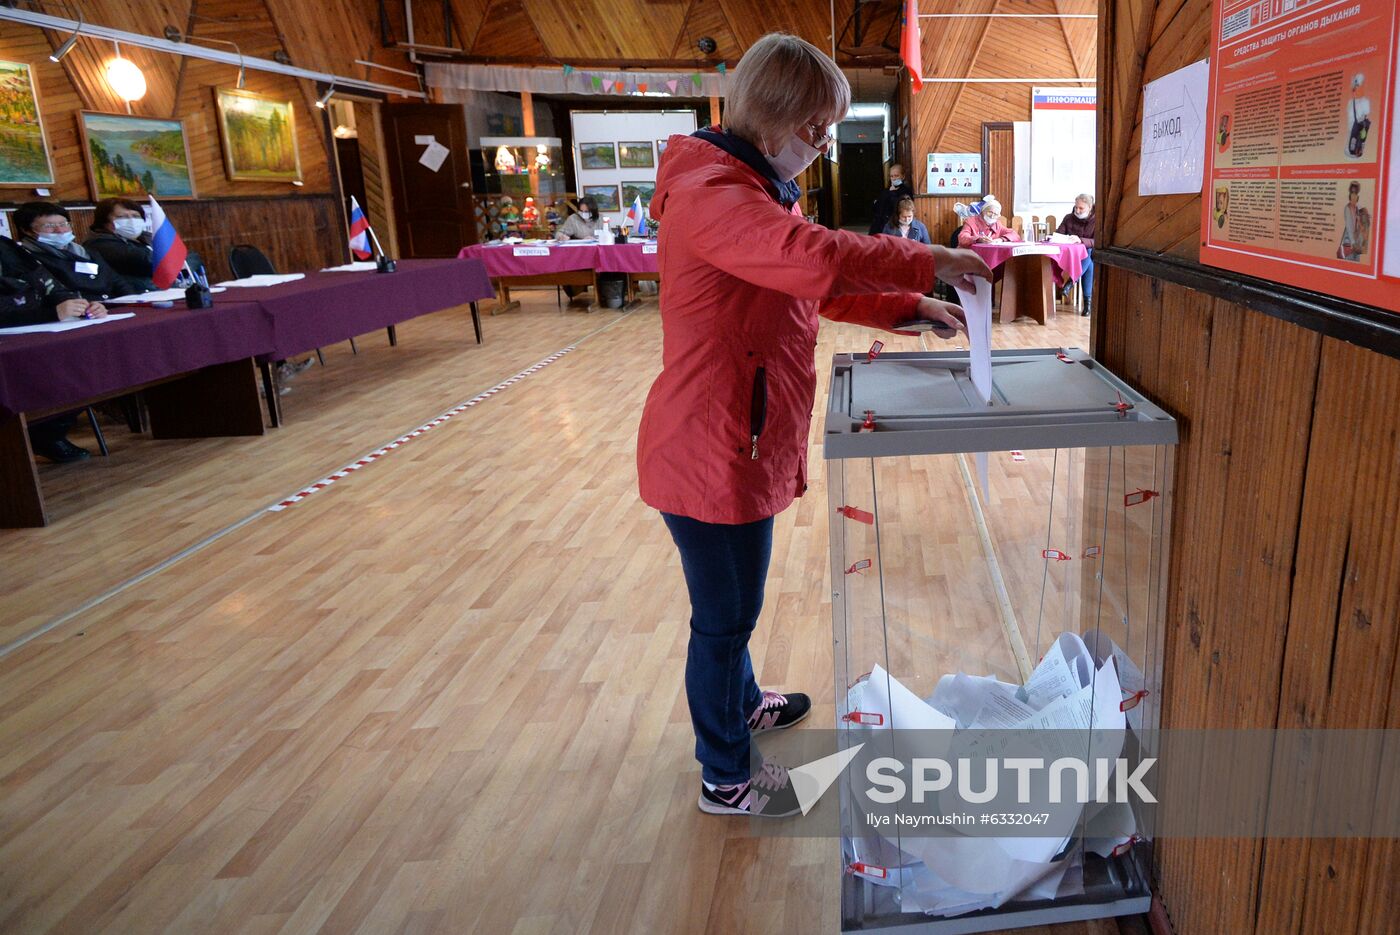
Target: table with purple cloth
[566, 264]
[195, 369]
[1030, 272]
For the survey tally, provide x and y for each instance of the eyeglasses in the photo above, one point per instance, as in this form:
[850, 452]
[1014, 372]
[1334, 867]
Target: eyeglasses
[820, 133]
[53, 227]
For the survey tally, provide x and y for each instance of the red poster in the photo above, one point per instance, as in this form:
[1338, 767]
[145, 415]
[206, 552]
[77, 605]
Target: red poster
[1304, 158]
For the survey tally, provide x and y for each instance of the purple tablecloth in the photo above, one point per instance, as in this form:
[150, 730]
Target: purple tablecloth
[47, 371]
[627, 258]
[325, 308]
[502, 260]
[1068, 260]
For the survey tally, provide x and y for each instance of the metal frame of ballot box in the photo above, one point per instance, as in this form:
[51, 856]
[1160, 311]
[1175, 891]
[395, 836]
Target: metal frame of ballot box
[1074, 418]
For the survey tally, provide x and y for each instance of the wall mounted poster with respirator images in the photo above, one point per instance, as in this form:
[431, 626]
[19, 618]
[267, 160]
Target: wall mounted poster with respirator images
[1303, 156]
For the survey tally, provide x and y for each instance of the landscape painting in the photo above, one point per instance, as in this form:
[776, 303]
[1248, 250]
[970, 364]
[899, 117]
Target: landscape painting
[132, 157]
[597, 156]
[636, 155]
[631, 191]
[604, 195]
[259, 137]
[24, 152]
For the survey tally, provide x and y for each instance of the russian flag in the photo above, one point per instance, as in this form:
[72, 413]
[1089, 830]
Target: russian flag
[359, 232]
[637, 217]
[168, 251]
[909, 51]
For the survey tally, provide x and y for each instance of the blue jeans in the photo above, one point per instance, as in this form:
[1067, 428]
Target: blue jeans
[725, 567]
[1086, 278]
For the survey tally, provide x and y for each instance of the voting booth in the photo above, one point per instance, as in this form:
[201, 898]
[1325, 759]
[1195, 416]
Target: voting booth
[996, 566]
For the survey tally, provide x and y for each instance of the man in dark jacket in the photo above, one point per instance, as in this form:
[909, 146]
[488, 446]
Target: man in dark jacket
[48, 236]
[29, 296]
[1081, 224]
[899, 189]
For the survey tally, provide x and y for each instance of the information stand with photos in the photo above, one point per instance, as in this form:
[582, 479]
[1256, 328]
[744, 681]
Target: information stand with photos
[964, 619]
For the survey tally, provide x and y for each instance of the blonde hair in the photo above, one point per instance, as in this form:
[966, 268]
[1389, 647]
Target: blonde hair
[781, 84]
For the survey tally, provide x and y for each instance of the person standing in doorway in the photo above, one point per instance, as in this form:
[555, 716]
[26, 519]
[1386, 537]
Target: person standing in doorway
[897, 189]
[722, 445]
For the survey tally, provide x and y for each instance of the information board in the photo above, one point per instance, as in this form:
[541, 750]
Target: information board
[1302, 155]
[954, 174]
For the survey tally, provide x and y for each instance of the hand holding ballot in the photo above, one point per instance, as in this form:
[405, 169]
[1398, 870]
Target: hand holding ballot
[959, 268]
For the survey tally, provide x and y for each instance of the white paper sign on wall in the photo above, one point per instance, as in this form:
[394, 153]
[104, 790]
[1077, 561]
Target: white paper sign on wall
[1174, 132]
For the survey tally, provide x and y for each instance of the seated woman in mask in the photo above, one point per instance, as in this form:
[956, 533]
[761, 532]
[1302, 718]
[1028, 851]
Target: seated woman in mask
[986, 226]
[118, 235]
[48, 236]
[905, 225]
[581, 224]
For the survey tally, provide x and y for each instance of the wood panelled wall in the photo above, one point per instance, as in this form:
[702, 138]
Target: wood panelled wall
[295, 225]
[650, 32]
[1142, 41]
[1284, 600]
[949, 117]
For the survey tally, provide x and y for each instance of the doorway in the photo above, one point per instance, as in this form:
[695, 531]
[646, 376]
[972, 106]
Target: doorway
[862, 171]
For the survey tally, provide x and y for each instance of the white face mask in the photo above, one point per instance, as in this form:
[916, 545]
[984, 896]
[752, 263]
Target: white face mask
[1081, 213]
[896, 181]
[130, 228]
[585, 214]
[797, 155]
[57, 240]
[990, 219]
[905, 223]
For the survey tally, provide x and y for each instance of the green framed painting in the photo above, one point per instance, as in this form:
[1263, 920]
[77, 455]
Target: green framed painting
[631, 191]
[24, 149]
[259, 137]
[634, 155]
[132, 157]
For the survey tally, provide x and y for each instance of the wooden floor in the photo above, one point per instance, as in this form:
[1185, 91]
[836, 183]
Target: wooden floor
[441, 695]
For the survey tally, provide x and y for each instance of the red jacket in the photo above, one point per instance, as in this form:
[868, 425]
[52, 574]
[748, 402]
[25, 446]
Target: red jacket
[723, 437]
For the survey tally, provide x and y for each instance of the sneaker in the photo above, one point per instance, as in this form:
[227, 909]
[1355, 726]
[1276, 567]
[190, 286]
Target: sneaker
[779, 711]
[767, 794]
[62, 451]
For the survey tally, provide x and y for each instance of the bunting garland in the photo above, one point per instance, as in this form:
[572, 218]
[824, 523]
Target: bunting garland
[607, 85]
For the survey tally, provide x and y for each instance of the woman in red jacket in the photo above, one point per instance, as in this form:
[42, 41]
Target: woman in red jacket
[722, 446]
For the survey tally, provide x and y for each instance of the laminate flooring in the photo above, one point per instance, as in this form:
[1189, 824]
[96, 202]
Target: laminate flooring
[441, 695]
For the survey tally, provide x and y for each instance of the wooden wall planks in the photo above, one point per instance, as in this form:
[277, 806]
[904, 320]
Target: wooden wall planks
[1284, 601]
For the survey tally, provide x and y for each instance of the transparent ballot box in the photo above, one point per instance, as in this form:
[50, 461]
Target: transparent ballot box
[998, 585]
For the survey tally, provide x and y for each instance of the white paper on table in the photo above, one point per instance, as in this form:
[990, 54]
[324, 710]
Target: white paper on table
[264, 279]
[434, 156]
[70, 325]
[360, 266]
[1063, 238]
[160, 295]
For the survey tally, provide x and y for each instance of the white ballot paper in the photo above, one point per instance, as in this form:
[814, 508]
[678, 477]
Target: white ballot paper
[264, 279]
[977, 309]
[160, 295]
[359, 266]
[70, 325]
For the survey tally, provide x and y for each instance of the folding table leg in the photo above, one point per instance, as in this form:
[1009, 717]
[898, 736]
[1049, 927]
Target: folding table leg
[97, 431]
[270, 390]
[393, 336]
[476, 321]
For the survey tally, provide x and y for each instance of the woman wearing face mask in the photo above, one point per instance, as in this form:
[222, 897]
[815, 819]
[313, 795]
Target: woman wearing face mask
[986, 226]
[581, 224]
[886, 205]
[722, 446]
[905, 225]
[118, 235]
[48, 236]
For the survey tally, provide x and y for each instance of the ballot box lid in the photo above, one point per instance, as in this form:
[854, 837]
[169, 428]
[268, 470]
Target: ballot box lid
[925, 403]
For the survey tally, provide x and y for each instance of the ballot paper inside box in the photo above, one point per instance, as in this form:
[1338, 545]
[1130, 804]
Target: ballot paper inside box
[998, 569]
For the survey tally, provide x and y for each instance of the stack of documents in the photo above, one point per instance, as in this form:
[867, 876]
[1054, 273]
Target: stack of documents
[361, 266]
[160, 295]
[1071, 689]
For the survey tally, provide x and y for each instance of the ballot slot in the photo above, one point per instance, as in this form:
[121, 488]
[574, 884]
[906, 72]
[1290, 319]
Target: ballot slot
[966, 608]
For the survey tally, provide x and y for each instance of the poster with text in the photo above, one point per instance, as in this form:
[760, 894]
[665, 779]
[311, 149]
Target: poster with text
[1302, 156]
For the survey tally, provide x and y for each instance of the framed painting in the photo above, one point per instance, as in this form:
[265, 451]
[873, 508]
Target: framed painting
[259, 137]
[631, 191]
[132, 157]
[597, 156]
[24, 149]
[660, 149]
[604, 195]
[635, 155]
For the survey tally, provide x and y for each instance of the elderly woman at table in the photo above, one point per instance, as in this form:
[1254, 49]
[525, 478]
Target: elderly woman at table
[985, 226]
[29, 296]
[48, 236]
[581, 224]
[722, 445]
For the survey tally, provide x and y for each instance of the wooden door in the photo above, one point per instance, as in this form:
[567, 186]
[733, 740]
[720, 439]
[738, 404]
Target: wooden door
[999, 158]
[433, 209]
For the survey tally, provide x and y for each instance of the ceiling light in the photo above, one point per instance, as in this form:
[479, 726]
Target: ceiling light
[326, 97]
[126, 79]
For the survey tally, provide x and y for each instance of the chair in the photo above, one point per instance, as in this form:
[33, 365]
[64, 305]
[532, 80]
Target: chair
[246, 260]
